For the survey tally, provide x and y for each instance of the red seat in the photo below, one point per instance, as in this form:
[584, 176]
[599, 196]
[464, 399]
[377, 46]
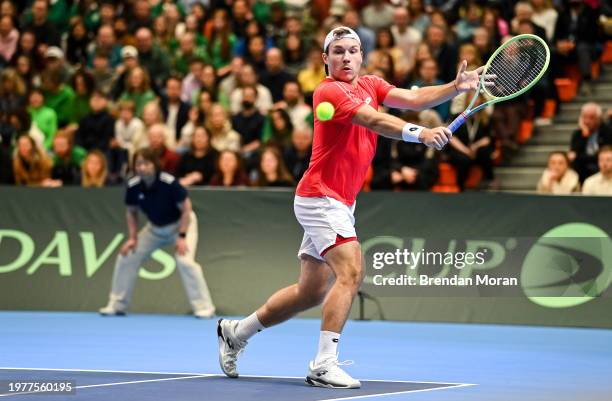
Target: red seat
[566, 89]
[448, 174]
[525, 131]
[550, 107]
[445, 188]
[447, 179]
[606, 57]
[595, 69]
[474, 177]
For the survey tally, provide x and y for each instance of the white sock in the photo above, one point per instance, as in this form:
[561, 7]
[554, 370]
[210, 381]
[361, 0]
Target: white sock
[248, 327]
[328, 346]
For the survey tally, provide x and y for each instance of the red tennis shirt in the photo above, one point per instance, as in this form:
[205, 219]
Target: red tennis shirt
[341, 150]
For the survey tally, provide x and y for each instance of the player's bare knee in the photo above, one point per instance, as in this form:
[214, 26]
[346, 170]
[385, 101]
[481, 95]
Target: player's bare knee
[351, 275]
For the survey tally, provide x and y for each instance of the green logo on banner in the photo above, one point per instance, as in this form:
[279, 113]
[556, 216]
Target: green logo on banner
[569, 265]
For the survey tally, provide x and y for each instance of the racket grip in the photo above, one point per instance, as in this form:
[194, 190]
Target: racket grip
[457, 122]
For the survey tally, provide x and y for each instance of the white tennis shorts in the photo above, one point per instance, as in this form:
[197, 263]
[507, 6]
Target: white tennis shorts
[323, 219]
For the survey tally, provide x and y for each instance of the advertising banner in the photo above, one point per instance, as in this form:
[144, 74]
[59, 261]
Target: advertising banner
[486, 258]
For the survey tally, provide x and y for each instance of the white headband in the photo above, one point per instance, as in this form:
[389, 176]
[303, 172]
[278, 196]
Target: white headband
[331, 37]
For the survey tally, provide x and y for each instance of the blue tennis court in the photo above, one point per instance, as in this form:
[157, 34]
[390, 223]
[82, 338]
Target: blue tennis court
[162, 357]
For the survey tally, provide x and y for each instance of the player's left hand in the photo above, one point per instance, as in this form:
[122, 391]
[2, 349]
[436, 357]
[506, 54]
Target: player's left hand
[181, 246]
[468, 80]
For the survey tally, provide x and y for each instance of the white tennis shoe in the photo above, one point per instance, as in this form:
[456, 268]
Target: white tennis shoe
[110, 310]
[230, 347]
[329, 374]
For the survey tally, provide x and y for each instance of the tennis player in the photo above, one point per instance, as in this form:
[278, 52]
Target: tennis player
[343, 147]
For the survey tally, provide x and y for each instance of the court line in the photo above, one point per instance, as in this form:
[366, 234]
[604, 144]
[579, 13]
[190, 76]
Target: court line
[448, 386]
[112, 384]
[399, 392]
[220, 375]
[201, 375]
[142, 381]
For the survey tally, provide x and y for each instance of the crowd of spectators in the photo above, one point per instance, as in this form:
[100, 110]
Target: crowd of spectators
[221, 89]
[587, 166]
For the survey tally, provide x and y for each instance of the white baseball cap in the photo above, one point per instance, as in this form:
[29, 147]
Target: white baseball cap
[54, 52]
[129, 51]
[331, 37]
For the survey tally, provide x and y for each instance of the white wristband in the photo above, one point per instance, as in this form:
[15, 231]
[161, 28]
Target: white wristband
[411, 132]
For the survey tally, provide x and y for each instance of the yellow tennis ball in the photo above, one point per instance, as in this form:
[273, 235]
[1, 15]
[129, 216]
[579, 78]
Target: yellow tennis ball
[325, 111]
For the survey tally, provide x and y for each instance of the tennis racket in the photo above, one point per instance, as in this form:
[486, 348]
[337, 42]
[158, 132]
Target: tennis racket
[511, 71]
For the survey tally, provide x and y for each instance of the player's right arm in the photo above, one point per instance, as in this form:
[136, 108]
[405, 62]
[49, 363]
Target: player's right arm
[131, 216]
[395, 128]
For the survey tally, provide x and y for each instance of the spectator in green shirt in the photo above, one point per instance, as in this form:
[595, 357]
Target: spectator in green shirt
[188, 50]
[58, 96]
[166, 7]
[153, 58]
[44, 117]
[192, 25]
[84, 84]
[93, 17]
[58, 14]
[221, 42]
[138, 89]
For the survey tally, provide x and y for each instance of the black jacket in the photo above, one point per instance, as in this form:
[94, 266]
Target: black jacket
[447, 62]
[96, 131]
[586, 29]
[181, 118]
[276, 82]
[579, 142]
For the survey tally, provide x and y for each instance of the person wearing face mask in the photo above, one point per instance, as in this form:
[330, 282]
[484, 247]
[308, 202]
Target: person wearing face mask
[171, 220]
[248, 77]
[249, 123]
[343, 149]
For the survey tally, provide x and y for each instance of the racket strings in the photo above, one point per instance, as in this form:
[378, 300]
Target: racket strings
[516, 70]
[516, 66]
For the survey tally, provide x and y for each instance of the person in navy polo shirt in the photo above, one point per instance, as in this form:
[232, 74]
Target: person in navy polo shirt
[171, 220]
